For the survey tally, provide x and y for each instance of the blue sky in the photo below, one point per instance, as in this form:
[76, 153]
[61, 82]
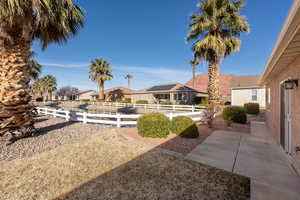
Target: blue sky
[146, 39]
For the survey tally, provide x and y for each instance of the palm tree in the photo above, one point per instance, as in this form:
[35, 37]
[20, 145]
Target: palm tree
[128, 77]
[100, 71]
[22, 22]
[49, 85]
[35, 68]
[215, 30]
[194, 64]
[37, 88]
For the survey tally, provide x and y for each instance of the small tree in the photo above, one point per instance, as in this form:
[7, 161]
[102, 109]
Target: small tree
[100, 71]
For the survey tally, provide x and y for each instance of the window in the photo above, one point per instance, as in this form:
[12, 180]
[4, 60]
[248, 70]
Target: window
[254, 95]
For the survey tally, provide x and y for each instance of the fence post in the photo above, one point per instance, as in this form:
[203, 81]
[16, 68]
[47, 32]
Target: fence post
[68, 115]
[84, 117]
[46, 111]
[157, 105]
[174, 107]
[134, 105]
[54, 113]
[193, 108]
[170, 116]
[118, 120]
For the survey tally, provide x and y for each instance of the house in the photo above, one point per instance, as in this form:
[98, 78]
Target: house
[114, 94]
[85, 95]
[246, 89]
[225, 82]
[281, 78]
[176, 93]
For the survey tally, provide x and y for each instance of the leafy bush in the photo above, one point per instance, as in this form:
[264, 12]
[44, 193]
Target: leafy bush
[154, 125]
[251, 108]
[39, 99]
[84, 100]
[166, 103]
[235, 114]
[142, 102]
[184, 127]
[200, 101]
[125, 101]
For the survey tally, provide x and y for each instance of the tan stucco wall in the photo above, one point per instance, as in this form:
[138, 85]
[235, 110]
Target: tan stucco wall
[273, 108]
[149, 97]
[85, 96]
[241, 96]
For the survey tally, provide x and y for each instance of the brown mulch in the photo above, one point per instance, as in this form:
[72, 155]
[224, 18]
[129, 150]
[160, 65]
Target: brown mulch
[185, 145]
[109, 166]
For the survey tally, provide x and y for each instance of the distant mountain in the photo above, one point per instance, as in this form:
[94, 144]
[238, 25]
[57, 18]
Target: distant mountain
[225, 82]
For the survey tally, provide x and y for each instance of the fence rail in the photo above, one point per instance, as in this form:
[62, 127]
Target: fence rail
[191, 108]
[109, 119]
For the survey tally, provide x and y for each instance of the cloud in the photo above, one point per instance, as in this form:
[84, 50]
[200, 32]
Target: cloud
[68, 65]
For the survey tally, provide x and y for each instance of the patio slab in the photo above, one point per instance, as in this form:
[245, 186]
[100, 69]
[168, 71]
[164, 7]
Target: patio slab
[254, 155]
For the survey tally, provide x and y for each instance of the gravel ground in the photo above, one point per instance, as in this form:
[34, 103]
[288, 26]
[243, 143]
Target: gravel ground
[52, 132]
[108, 166]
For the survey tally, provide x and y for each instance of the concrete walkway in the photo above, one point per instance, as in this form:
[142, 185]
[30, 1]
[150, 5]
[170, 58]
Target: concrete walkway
[254, 155]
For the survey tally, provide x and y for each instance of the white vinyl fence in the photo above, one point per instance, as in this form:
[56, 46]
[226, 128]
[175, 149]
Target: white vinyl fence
[118, 120]
[191, 108]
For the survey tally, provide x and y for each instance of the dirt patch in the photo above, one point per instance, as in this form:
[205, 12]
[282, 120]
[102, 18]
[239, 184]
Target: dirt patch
[109, 166]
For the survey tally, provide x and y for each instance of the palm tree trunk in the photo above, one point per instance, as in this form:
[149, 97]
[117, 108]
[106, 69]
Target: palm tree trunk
[101, 90]
[213, 83]
[194, 76]
[16, 119]
[129, 85]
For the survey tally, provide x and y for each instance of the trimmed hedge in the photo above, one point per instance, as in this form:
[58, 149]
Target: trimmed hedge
[184, 127]
[166, 103]
[234, 114]
[251, 108]
[142, 102]
[153, 125]
[125, 101]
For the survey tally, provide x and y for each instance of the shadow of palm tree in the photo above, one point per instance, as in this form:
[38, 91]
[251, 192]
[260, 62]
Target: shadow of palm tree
[47, 129]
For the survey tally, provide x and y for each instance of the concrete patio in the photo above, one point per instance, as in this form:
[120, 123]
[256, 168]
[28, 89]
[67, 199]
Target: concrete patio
[254, 155]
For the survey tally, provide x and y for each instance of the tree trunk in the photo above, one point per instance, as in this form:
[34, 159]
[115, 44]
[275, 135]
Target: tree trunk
[101, 91]
[213, 92]
[213, 83]
[16, 118]
[194, 76]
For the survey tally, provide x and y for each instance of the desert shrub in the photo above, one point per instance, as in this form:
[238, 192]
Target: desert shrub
[154, 125]
[84, 100]
[235, 114]
[166, 103]
[142, 102]
[184, 127]
[251, 108]
[125, 101]
[39, 99]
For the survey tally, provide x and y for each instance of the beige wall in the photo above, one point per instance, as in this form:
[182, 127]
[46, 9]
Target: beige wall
[83, 96]
[241, 96]
[273, 106]
[149, 97]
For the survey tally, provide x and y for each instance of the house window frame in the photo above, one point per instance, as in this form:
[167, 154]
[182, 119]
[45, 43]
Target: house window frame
[254, 94]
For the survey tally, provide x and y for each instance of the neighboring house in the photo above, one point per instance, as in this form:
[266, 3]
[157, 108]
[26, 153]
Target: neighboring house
[85, 95]
[246, 89]
[114, 94]
[225, 82]
[176, 93]
[281, 79]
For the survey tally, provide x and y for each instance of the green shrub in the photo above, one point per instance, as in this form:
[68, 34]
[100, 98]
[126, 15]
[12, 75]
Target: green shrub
[166, 103]
[251, 108]
[39, 99]
[142, 102]
[235, 114]
[184, 127]
[200, 101]
[153, 125]
[125, 101]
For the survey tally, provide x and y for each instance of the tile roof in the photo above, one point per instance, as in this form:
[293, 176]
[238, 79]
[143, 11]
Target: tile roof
[245, 81]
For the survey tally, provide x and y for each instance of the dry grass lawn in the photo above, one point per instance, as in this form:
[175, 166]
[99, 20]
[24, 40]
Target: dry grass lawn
[109, 166]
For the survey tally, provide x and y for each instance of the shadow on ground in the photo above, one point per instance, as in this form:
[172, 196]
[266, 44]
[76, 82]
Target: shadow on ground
[47, 129]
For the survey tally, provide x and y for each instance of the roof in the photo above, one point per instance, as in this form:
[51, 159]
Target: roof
[166, 87]
[287, 46]
[201, 83]
[245, 81]
[84, 91]
[119, 88]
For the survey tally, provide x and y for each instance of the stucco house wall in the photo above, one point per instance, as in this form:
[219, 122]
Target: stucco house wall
[273, 105]
[241, 96]
[149, 97]
[86, 95]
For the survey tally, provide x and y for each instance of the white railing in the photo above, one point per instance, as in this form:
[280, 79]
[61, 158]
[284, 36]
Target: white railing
[191, 108]
[109, 119]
